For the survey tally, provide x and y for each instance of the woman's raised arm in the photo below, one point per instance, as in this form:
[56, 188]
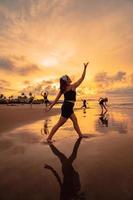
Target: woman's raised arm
[78, 82]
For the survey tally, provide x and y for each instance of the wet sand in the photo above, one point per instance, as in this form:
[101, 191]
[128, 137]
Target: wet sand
[97, 168]
[14, 116]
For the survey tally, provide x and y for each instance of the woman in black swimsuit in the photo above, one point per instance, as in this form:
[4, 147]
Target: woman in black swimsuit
[69, 91]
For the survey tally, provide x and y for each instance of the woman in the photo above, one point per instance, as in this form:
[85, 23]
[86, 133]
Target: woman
[69, 91]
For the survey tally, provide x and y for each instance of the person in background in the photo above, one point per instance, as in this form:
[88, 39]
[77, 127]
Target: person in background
[84, 103]
[31, 99]
[45, 97]
[103, 105]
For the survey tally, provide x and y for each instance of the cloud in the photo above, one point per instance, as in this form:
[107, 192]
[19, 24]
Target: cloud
[6, 64]
[63, 33]
[9, 64]
[29, 69]
[103, 79]
[5, 90]
[5, 86]
[120, 76]
[120, 83]
[4, 83]
[131, 79]
[46, 85]
[121, 91]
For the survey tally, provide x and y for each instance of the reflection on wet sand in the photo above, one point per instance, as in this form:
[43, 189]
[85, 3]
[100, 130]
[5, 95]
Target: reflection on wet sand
[45, 129]
[70, 186]
[103, 120]
[104, 163]
[107, 124]
[84, 112]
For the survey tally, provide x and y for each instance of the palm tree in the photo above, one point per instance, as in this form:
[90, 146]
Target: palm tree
[23, 98]
[3, 99]
[1, 96]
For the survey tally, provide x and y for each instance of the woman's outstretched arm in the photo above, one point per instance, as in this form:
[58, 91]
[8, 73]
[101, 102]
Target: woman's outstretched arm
[78, 82]
[55, 101]
[54, 172]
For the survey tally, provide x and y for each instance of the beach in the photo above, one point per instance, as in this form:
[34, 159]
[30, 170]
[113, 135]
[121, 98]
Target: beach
[76, 58]
[99, 167]
[17, 115]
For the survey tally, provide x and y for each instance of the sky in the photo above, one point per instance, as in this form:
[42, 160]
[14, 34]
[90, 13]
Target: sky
[41, 40]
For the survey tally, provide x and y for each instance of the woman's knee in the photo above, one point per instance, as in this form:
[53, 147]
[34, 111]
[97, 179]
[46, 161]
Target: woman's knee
[60, 123]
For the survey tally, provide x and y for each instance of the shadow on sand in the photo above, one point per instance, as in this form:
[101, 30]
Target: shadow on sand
[70, 186]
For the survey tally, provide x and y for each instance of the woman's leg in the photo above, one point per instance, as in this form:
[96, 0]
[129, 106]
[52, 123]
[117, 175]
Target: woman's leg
[46, 103]
[102, 109]
[105, 108]
[61, 121]
[75, 124]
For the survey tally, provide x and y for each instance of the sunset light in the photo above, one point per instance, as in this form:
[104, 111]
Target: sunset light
[50, 62]
[38, 44]
[66, 99]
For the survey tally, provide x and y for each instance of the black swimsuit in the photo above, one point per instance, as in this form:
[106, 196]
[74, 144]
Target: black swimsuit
[67, 107]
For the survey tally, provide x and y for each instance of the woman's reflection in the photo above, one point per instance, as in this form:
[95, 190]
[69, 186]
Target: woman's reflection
[70, 187]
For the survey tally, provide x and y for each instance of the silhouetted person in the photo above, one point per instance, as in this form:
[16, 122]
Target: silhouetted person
[102, 103]
[45, 97]
[31, 99]
[68, 89]
[70, 187]
[84, 103]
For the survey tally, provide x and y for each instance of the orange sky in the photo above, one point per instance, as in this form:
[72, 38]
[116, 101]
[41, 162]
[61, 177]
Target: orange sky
[40, 40]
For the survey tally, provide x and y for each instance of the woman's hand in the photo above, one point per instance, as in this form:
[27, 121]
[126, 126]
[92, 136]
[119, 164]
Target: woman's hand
[78, 82]
[86, 64]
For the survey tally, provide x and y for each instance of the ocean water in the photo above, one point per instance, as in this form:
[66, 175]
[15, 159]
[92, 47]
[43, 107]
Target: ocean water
[122, 102]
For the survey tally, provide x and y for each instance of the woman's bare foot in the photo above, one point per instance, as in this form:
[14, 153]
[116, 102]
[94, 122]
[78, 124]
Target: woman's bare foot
[50, 141]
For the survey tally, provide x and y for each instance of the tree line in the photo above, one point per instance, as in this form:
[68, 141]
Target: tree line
[21, 99]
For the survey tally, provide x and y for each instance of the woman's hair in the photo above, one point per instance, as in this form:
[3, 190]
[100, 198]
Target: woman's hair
[63, 83]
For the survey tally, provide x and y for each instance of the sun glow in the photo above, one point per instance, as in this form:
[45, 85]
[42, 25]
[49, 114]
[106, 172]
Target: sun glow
[89, 91]
[50, 61]
[55, 86]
